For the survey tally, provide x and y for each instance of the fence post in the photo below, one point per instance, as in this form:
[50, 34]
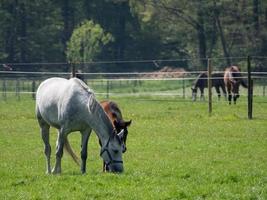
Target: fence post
[73, 70]
[18, 89]
[33, 89]
[107, 94]
[183, 87]
[264, 88]
[250, 89]
[210, 86]
[4, 89]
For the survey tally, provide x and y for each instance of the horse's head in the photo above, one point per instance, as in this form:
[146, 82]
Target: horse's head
[111, 153]
[236, 79]
[194, 93]
[122, 125]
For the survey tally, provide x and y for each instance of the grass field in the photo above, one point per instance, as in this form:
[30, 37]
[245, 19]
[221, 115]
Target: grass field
[175, 151]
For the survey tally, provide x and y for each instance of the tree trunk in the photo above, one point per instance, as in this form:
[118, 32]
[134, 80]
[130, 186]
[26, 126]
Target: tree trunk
[201, 37]
[224, 45]
[121, 30]
[23, 33]
[10, 33]
[213, 38]
[68, 19]
[87, 8]
[256, 16]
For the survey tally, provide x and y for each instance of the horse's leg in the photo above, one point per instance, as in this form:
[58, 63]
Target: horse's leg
[224, 91]
[230, 98]
[59, 150]
[47, 147]
[236, 96]
[218, 92]
[84, 144]
[45, 136]
[234, 99]
[229, 94]
[202, 94]
[194, 94]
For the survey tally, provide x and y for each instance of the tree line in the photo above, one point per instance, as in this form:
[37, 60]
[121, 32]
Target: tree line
[94, 30]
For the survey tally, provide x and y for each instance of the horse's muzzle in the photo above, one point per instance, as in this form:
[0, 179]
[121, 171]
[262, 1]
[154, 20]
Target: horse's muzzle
[124, 149]
[115, 168]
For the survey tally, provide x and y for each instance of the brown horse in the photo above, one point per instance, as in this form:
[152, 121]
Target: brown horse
[232, 80]
[115, 116]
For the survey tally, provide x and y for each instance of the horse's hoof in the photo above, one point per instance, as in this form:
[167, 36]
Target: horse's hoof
[56, 171]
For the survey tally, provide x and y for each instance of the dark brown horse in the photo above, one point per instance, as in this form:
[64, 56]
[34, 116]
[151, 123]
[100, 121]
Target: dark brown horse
[201, 82]
[232, 80]
[115, 116]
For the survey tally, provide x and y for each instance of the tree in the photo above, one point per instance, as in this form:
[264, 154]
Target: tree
[30, 32]
[87, 42]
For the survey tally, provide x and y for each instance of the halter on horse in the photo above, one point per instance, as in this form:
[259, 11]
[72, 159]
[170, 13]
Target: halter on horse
[115, 116]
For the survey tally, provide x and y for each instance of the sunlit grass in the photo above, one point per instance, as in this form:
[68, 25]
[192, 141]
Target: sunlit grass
[175, 151]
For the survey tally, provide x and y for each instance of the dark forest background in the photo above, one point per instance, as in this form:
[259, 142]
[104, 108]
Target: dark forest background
[40, 31]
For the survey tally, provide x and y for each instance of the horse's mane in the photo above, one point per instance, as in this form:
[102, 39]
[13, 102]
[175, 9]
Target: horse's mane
[234, 68]
[115, 110]
[93, 105]
[234, 72]
[83, 85]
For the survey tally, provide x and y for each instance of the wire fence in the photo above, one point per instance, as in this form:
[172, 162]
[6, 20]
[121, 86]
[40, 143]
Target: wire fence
[173, 77]
[120, 84]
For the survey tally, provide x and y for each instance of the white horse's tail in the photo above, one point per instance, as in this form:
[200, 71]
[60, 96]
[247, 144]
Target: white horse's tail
[71, 152]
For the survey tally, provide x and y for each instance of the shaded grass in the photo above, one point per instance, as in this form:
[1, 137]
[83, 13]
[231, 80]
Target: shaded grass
[175, 151]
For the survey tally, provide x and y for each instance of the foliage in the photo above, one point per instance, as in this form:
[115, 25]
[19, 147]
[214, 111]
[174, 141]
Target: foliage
[38, 31]
[87, 42]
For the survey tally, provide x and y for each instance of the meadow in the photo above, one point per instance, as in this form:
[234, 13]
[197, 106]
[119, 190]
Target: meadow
[175, 151]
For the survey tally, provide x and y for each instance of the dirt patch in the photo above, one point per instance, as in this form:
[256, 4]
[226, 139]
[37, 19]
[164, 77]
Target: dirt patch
[166, 72]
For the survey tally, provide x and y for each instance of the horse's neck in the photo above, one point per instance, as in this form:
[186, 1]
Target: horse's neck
[101, 124]
[230, 75]
[195, 84]
[115, 111]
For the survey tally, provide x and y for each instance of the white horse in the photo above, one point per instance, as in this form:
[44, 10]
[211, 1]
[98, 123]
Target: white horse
[70, 105]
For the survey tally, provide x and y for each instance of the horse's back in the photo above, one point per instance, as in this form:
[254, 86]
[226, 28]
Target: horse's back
[51, 89]
[56, 97]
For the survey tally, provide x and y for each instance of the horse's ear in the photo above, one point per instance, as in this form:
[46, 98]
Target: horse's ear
[116, 124]
[128, 123]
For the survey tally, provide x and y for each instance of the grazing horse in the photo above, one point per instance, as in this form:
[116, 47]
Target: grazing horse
[70, 105]
[201, 82]
[115, 116]
[232, 80]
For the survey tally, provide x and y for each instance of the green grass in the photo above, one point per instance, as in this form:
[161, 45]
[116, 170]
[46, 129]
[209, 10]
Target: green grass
[175, 151]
